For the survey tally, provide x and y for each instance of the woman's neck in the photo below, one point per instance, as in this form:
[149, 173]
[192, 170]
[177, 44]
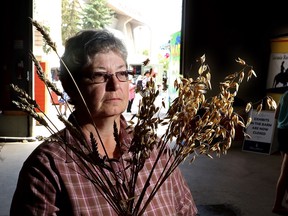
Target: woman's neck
[103, 132]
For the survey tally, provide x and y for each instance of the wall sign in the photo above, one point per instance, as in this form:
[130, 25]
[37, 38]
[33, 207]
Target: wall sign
[261, 131]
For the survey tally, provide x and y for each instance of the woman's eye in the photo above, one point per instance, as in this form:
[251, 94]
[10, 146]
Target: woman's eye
[97, 75]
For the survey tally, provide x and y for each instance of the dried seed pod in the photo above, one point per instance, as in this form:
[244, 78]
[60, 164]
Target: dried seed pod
[248, 107]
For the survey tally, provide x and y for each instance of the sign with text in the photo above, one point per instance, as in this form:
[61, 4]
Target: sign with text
[261, 131]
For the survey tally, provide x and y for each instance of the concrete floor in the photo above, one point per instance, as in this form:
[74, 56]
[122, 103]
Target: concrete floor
[239, 183]
[242, 181]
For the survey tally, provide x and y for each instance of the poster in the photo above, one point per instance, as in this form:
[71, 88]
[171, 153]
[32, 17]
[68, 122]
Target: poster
[278, 70]
[278, 64]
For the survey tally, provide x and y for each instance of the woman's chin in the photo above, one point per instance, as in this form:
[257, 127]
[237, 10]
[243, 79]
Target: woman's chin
[113, 112]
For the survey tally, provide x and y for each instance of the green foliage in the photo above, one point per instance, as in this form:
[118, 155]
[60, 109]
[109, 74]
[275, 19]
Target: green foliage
[96, 14]
[70, 18]
[145, 52]
[46, 48]
[88, 15]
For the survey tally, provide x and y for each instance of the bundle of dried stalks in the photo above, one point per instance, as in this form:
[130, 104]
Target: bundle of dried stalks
[194, 124]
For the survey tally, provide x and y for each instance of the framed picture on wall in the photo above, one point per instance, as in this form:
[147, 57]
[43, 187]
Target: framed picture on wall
[278, 71]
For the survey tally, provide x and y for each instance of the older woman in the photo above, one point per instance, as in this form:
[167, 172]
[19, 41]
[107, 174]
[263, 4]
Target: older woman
[51, 181]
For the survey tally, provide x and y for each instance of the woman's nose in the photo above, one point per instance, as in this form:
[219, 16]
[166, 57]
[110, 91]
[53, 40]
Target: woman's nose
[112, 83]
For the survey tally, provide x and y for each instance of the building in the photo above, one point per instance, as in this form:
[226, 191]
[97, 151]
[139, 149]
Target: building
[221, 30]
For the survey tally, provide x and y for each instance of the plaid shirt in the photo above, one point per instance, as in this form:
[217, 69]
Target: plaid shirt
[50, 183]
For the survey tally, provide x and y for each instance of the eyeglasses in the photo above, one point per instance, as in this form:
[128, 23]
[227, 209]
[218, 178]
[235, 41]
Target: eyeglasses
[102, 77]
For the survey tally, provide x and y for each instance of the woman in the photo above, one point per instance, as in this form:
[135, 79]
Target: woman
[50, 182]
[281, 114]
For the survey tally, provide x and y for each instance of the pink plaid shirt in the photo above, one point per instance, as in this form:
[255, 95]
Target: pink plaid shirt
[50, 183]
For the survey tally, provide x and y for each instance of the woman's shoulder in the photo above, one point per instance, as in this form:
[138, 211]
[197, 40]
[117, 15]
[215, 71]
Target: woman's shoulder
[51, 148]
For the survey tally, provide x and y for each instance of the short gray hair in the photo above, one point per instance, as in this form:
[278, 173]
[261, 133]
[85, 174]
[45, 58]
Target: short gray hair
[79, 50]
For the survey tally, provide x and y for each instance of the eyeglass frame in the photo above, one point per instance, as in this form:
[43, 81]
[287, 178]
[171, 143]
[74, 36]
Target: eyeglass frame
[107, 76]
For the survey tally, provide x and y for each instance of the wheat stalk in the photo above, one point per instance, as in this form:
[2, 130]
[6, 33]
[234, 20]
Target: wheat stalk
[195, 124]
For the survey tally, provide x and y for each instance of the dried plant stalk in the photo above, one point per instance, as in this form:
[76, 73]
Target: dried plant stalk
[194, 124]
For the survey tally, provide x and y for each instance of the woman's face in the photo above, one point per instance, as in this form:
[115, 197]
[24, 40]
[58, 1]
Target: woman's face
[108, 98]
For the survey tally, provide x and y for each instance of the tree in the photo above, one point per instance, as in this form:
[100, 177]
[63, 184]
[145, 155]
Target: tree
[90, 14]
[96, 14]
[71, 18]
